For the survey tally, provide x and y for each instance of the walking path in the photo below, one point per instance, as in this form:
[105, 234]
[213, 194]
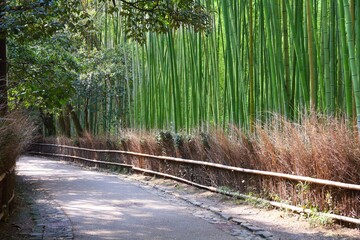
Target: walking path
[80, 204]
[96, 205]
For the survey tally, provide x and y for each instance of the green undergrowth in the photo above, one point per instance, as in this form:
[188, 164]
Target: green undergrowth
[314, 217]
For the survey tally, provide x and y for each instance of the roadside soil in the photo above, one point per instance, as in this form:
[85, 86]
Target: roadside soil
[20, 222]
[280, 223]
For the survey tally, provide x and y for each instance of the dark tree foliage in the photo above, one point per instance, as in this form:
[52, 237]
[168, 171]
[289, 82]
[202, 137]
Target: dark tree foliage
[28, 20]
[41, 75]
[33, 19]
[160, 15]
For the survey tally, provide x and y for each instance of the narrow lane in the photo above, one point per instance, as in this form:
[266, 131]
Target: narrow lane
[104, 206]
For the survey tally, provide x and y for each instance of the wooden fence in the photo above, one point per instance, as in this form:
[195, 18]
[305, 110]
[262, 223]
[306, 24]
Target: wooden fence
[214, 176]
[7, 191]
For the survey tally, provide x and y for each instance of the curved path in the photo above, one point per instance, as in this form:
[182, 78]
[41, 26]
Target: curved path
[106, 206]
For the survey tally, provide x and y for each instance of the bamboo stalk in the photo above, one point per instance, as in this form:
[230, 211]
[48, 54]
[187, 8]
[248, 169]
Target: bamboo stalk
[311, 58]
[251, 70]
[332, 53]
[288, 85]
[352, 58]
[345, 61]
[326, 57]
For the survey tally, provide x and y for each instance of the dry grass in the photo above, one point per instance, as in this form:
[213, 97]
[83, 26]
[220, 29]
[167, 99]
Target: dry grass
[319, 147]
[16, 133]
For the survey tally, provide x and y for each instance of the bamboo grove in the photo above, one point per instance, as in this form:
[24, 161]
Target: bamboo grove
[260, 57]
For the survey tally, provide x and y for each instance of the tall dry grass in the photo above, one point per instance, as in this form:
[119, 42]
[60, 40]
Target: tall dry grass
[16, 132]
[318, 147]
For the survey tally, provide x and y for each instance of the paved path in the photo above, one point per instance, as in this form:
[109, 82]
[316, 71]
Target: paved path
[105, 206]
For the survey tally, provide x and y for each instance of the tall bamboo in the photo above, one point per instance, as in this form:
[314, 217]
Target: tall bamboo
[311, 58]
[251, 70]
[353, 60]
[260, 57]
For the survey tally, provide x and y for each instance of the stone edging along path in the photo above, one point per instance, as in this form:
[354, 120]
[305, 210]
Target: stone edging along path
[247, 219]
[50, 220]
[234, 226]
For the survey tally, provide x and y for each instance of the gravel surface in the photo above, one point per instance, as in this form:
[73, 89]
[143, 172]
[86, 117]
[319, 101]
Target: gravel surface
[20, 223]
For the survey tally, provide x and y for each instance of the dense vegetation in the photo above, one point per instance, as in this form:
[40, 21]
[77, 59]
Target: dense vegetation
[98, 64]
[261, 57]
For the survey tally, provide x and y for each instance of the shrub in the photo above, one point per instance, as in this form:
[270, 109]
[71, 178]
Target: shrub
[16, 132]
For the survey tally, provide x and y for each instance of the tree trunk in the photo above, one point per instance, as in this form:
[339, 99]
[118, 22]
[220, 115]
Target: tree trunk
[48, 121]
[61, 121]
[66, 117]
[3, 64]
[86, 116]
[79, 130]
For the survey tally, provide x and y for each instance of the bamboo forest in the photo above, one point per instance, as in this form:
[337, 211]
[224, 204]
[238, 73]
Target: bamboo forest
[270, 85]
[251, 60]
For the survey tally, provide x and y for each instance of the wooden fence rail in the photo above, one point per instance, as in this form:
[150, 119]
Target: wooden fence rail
[7, 191]
[73, 152]
[220, 166]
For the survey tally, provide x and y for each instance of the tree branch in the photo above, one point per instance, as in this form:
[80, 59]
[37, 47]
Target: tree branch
[28, 7]
[135, 5]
